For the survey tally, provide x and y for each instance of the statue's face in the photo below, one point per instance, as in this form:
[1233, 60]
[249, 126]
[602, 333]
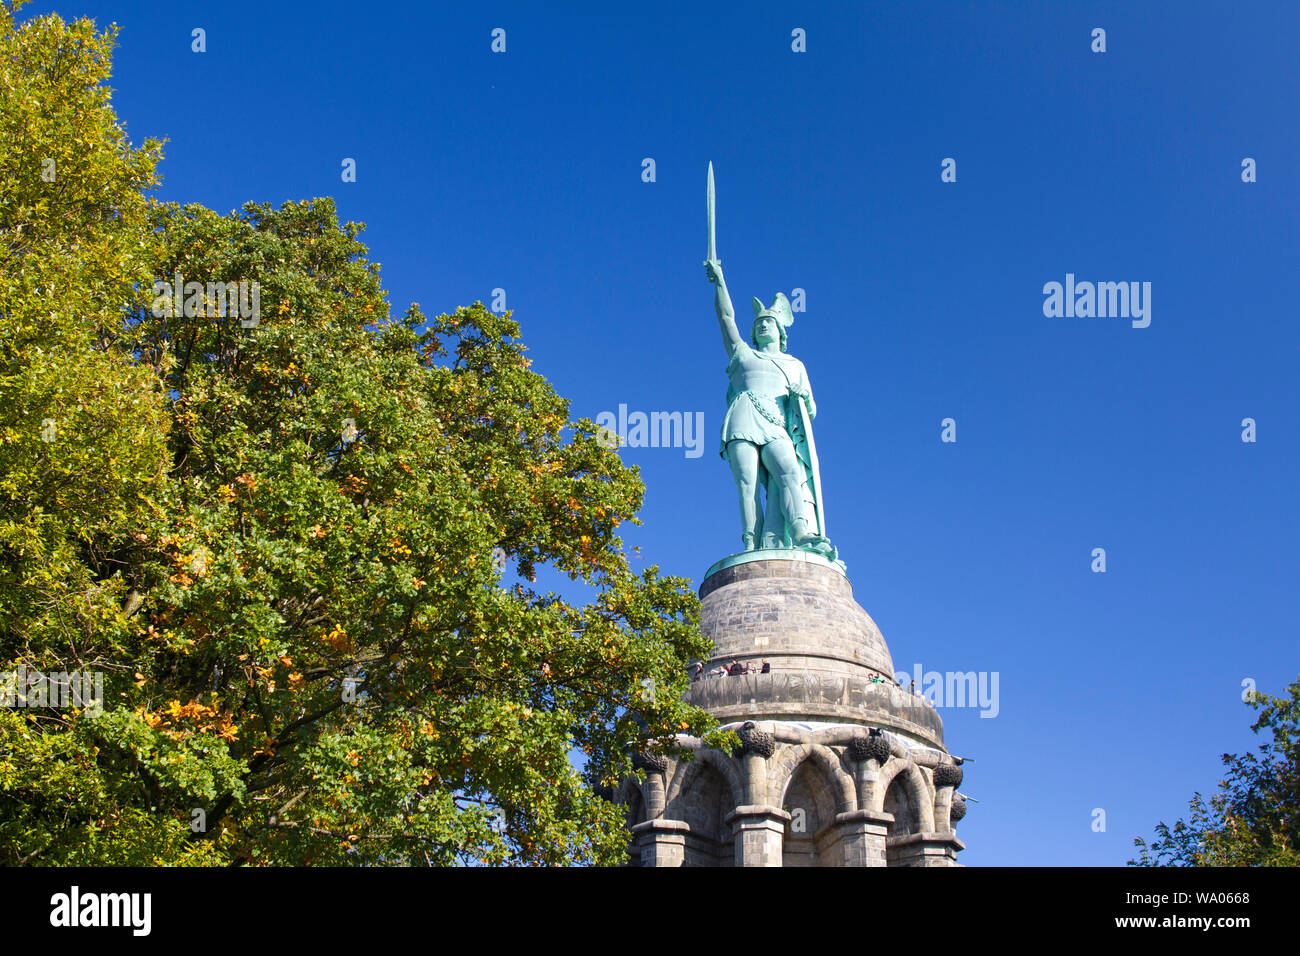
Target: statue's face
[766, 330]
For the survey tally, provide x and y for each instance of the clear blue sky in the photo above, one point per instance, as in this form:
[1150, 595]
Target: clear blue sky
[522, 171]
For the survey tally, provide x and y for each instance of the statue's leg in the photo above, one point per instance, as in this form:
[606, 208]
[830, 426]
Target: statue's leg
[783, 464]
[744, 459]
[774, 530]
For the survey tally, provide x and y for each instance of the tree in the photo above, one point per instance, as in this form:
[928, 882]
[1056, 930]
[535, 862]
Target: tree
[284, 538]
[346, 636]
[1254, 818]
[82, 431]
[82, 428]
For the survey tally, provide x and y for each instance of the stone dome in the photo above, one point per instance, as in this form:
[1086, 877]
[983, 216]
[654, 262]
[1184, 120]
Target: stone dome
[796, 610]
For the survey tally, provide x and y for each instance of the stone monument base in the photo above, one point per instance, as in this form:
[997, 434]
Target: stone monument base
[838, 765]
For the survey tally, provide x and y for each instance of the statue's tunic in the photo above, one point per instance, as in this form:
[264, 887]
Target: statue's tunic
[758, 394]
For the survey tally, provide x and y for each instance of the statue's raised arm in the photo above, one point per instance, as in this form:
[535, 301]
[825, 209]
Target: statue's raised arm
[722, 305]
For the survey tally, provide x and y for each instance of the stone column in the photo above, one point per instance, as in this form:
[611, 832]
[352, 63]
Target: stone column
[754, 766]
[870, 753]
[660, 842]
[757, 828]
[759, 833]
[942, 807]
[947, 778]
[656, 773]
[860, 840]
[926, 849]
[653, 794]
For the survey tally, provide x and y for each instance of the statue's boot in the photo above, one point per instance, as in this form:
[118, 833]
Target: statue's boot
[822, 546]
[811, 541]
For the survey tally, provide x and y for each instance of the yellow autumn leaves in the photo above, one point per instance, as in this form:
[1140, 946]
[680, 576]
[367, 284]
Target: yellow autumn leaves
[337, 640]
[179, 720]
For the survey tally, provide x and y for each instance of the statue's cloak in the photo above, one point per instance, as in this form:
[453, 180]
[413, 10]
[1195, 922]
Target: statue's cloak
[799, 426]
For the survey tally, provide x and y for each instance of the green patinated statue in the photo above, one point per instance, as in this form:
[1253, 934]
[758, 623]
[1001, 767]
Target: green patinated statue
[767, 432]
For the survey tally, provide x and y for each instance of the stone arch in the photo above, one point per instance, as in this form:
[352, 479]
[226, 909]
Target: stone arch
[783, 767]
[703, 795]
[890, 769]
[685, 770]
[809, 783]
[918, 790]
[900, 802]
[908, 798]
[924, 794]
[811, 808]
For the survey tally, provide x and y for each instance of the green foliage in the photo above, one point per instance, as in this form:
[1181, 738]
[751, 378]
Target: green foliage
[1254, 818]
[82, 428]
[65, 800]
[82, 432]
[309, 650]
